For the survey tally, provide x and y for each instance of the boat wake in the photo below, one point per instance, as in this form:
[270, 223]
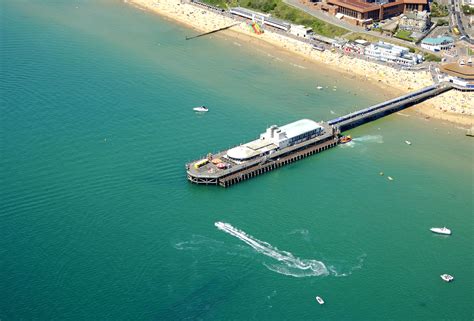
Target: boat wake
[196, 243]
[360, 262]
[369, 139]
[286, 264]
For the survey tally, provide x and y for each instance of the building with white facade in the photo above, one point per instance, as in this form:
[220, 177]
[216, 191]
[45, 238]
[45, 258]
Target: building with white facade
[437, 44]
[387, 52]
[301, 31]
[261, 18]
[275, 138]
[418, 21]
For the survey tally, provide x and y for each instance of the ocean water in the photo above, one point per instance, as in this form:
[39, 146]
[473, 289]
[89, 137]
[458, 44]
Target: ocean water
[98, 221]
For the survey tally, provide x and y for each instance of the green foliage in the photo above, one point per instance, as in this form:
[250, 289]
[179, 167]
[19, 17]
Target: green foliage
[442, 22]
[261, 5]
[431, 57]
[439, 10]
[217, 3]
[363, 36]
[467, 9]
[404, 34]
[285, 12]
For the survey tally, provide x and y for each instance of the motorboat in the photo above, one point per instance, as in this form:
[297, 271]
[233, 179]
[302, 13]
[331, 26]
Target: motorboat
[447, 277]
[201, 109]
[320, 300]
[345, 139]
[407, 142]
[319, 87]
[441, 230]
[390, 178]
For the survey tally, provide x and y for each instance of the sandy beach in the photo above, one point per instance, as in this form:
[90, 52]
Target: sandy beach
[454, 106]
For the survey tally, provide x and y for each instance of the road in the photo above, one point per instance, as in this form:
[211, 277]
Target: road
[457, 20]
[341, 23]
[323, 16]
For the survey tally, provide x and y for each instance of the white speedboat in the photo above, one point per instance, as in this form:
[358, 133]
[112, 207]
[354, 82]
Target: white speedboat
[390, 178]
[447, 277]
[407, 142]
[320, 300]
[319, 87]
[201, 109]
[441, 230]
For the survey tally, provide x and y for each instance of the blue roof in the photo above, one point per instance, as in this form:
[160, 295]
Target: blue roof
[437, 41]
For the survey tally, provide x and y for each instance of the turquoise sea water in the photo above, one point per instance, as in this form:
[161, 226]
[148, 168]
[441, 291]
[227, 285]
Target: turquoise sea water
[99, 223]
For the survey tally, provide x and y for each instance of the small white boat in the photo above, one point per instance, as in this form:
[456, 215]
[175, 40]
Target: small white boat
[201, 109]
[407, 142]
[320, 300]
[319, 87]
[447, 277]
[441, 230]
[390, 178]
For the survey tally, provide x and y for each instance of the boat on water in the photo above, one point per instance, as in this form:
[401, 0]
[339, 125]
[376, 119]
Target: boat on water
[320, 300]
[201, 109]
[441, 230]
[390, 178]
[447, 277]
[407, 142]
[319, 87]
[345, 139]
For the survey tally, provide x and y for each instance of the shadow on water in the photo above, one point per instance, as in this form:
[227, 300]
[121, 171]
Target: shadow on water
[200, 302]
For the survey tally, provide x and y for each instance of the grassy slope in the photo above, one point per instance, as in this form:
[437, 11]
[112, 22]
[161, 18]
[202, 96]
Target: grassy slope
[404, 34]
[281, 10]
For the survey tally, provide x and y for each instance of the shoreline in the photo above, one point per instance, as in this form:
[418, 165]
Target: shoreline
[389, 80]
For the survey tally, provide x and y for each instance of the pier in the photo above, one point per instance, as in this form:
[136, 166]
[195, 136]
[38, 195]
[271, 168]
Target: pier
[213, 31]
[220, 169]
[210, 174]
[388, 107]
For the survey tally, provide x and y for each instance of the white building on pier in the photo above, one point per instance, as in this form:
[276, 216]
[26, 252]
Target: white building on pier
[275, 138]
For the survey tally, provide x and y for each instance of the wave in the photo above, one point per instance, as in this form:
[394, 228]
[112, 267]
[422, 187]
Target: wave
[297, 66]
[287, 264]
[402, 114]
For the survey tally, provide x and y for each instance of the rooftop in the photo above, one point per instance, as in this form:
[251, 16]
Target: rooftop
[299, 127]
[438, 40]
[249, 150]
[417, 15]
[462, 71]
[357, 5]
